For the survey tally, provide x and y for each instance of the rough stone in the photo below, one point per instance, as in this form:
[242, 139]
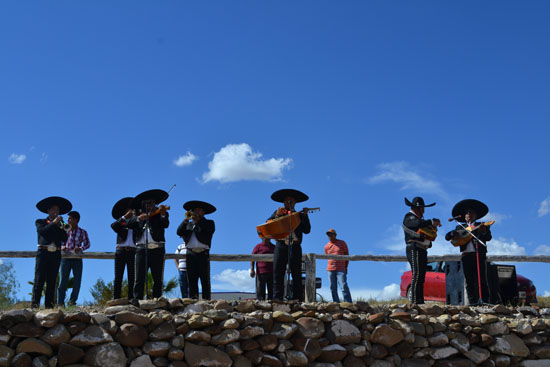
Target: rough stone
[47, 318]
[142, 361]
[386, 335]
[283, 331]
[309, 327]
[92, 335]
[230, 324]
[56, 335]
[198, 321]
[438, 339]
[282, 316]
[6, 355]
[535, 363]
[333, 353]
[68, 354]
[79, 316]
[76, 327]
[510, 345]
[127, 317]
[131, 335]
[250, 332]
[216, 315]
[21, 360]
[443, 352]
[112, 352]
[153, 304]
[268, 342]
[245, 307]
[477, 355]
[205, 356]
[157, 349]
[40, 361]
[164, 331]
[270, 361]
[343, 332]
[197, 336]
[33, 345]
[225, 337]
[26, 330]
[296, 358]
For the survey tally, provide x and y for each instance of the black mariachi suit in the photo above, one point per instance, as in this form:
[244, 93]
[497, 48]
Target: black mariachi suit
[125, 256]
[198, 264]
[280, 259]
[151, 258]
[47, 263]
[469, 264]
[416, 255]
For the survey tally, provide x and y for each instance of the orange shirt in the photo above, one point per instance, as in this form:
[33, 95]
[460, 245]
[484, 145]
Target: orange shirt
[339, 247]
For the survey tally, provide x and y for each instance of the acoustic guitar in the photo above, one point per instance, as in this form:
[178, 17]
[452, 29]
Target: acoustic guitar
[279, 228]
[463, 236]
[429, 232]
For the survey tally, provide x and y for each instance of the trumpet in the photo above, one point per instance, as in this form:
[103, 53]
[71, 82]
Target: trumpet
[189, 214]
[64, 226]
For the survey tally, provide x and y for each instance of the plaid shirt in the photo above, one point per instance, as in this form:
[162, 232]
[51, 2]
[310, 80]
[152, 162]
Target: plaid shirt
[77, 238]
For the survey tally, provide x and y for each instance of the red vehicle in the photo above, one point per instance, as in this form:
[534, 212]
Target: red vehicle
[434, 286]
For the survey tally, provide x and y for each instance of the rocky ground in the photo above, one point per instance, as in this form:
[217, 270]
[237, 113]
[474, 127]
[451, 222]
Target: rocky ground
[182, 332]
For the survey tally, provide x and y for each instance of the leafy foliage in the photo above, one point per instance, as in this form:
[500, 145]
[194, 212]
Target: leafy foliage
[8, 284]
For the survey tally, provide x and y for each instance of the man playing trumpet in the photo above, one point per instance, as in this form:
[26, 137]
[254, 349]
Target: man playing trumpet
[51, 234]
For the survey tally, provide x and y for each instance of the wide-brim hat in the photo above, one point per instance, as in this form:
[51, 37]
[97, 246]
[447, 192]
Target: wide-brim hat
[63, 204]
[121, 207]
[193, 204]
[280, 195]
[460, 209]
[156, 194]
[417, 202]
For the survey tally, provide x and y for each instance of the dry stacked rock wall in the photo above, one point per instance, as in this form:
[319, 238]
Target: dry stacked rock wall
[186, 333]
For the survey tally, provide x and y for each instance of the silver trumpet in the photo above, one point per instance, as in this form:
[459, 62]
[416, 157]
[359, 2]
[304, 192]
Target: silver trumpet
[64, 226]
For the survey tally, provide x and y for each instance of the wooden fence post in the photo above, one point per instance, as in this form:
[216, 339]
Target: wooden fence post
[310, 290]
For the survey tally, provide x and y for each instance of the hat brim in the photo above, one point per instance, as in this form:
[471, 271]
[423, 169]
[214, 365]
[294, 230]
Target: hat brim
[280, 195]
[121, 207]
[193, 204]
[408, 203]
[460, 208]
[63, 204]
[156, 194]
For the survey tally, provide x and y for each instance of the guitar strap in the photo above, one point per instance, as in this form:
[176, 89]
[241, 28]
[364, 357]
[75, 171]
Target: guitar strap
[420, 241]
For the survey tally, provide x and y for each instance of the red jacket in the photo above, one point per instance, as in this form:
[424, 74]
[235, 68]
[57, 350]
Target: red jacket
[339, 247]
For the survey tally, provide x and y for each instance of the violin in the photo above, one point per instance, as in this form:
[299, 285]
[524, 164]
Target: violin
[159, 209]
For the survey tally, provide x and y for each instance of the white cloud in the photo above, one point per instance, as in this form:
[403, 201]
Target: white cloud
[44, 158]
[185, 160]
[408, 177]
[234, 280]
[17, 158]
[542, 250]
[546, 294]
[237, 162]
[503, 246]
[389, 292]
[497, 217]
[544, 207]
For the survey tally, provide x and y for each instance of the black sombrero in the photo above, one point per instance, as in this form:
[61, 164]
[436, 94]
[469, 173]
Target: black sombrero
[417, 202]
[156, 194]
[193, 204]
[280, 195]
[460, 209]
[121, 207]
[64, 205]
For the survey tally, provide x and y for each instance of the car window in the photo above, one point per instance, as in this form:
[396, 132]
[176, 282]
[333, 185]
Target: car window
[431, 266]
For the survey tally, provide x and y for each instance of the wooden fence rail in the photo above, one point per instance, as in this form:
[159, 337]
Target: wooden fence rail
[310, 260]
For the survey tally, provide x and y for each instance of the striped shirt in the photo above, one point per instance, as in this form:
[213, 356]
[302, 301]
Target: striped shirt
[77, 238]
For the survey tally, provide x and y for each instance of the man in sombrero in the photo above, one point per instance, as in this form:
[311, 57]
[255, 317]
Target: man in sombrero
[289, 250]
[417, 245]
[51, 234]
[150, 245]
[197, 232]
[474, 253]
[128, 231]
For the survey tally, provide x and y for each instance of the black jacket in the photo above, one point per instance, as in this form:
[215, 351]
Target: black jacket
[203, 229]
[49, 232]
[485, 237]
[412, 222]
[157, 224]
[122, 226]
[303, 227]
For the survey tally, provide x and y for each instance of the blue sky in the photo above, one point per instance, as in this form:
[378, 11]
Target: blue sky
[357, 104]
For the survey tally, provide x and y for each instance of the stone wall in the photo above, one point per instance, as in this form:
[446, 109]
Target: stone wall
[186, 333]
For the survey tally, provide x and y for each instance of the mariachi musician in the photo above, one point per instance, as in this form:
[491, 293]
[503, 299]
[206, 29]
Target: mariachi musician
[197, 232]
[418, 243]
[474, 251]
[128, 231]
[153, 220]
[51, 234]
[289, 250]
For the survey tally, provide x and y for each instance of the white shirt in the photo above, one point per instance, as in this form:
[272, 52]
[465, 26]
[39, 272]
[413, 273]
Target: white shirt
[129, 240]
[195, 243]
[181, 250]
[146, 238]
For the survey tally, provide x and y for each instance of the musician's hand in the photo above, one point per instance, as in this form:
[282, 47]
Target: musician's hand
[305, 211]
[142, 217]
[77, 250]
[129, 214]
[436, 222]
[281, 211]
[252, 273]
[57, 220]
[162, 209]
[196, 217]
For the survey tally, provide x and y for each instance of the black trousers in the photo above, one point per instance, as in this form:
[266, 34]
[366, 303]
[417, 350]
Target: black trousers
[125, 257]
[418, 259]
[469, 264]
[280, 259]
[198, 267]
[262, 281]
[45, 270]
[155, 262]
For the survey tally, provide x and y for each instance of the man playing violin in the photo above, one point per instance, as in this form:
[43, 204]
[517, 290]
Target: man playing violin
[51, 234]
[289, 250]
[474, 253]
[150, 251]
[417, 245]
[197, 232]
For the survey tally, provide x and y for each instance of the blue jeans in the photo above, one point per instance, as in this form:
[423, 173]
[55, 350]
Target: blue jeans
[184, 284]
[339, 278]
[66, 266]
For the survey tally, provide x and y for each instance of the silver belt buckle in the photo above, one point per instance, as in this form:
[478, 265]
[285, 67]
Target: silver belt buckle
[152, 246]
[52, 248]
